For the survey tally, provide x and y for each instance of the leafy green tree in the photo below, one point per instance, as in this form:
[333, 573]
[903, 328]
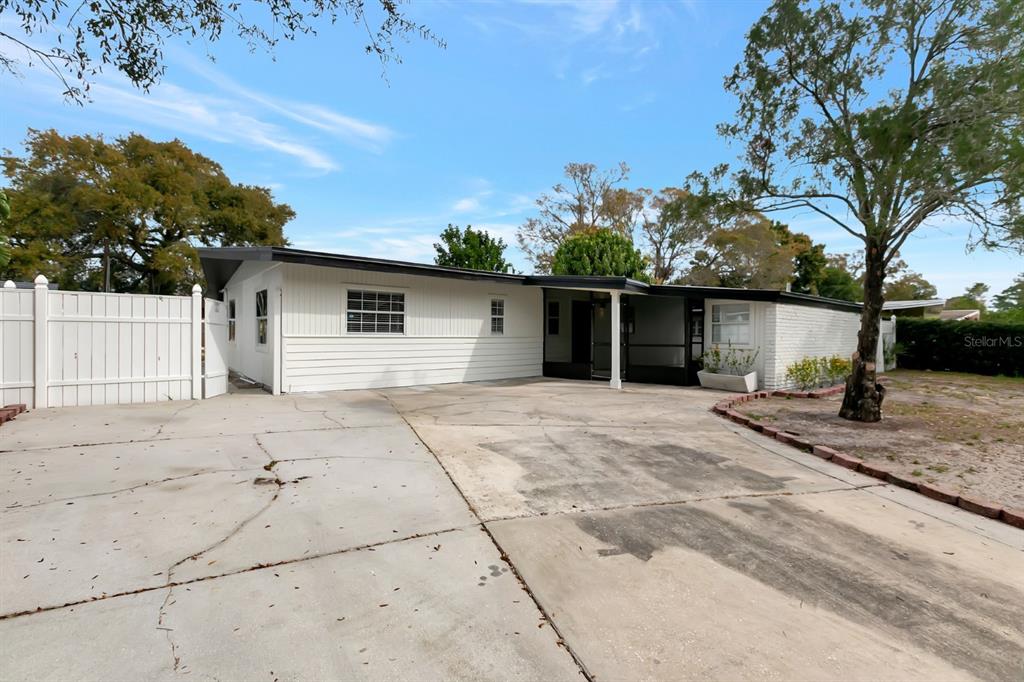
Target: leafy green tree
[76, 41]
[910, 287]
[127, 215]
[599, 252]
[896, 112]
[473, 249]
[746, 253]
[1008, 305]
[972, 299]
[678, 226]
[840, 284]
[589, 199]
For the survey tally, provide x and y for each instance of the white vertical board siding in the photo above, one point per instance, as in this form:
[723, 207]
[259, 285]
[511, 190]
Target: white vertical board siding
[796, 332]
[17, 362]
[447, 331]
[117, 348]
[244, 355]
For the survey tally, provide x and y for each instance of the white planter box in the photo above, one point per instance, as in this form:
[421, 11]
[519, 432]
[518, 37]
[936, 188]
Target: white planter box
[729, 382]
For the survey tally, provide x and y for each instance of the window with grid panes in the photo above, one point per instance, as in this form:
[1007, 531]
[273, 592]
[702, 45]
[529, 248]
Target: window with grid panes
[375, 312]
[497, 316]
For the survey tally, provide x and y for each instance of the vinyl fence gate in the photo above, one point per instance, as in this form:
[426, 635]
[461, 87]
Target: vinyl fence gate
[68, 348]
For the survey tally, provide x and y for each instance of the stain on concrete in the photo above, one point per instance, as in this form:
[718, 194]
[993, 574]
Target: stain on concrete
[589, 467]
[973, 623]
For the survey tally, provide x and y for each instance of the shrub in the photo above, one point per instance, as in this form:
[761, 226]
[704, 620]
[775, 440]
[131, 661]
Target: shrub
[976, 347]
[814, 372]
[730, 361]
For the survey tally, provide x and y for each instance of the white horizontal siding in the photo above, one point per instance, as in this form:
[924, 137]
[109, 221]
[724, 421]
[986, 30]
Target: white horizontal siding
[335, 363]
[447, 331]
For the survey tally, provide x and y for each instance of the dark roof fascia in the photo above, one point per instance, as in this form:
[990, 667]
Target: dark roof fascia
[279, 254]
[766, 295]
[588, 282]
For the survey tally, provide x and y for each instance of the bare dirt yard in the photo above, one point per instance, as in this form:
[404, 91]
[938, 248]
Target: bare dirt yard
[962, 431]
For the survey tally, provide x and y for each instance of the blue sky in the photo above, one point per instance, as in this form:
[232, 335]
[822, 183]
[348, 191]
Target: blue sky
[469, 134]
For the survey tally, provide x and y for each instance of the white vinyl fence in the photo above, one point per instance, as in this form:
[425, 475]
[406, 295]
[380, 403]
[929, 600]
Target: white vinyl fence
[66, 348]
[886, 355]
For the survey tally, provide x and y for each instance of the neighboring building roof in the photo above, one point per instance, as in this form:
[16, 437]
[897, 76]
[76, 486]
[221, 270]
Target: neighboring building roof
[219, 264]
[52, 286]
[958, 315]
[911, 305]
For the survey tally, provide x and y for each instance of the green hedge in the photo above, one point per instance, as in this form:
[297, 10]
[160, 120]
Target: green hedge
[976, 347]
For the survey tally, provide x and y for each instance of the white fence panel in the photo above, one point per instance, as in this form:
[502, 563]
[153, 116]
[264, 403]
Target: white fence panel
[118, 348]
[17, 362]
[215, 348]
[69, 348]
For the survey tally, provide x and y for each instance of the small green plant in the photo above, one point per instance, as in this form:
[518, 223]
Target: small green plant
[814, 372]
[735, 361]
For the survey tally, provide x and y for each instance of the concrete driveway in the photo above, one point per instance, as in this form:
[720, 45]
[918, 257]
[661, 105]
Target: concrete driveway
[549, 530]
[250, 538]
[668, 544]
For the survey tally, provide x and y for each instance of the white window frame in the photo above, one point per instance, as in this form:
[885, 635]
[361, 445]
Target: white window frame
[362, 311]
[264, 318]
[497, 316]
[718, 324]
[232, 320]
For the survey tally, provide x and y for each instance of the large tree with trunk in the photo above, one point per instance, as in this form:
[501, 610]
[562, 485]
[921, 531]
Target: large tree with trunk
[126, 215]
[883, 117]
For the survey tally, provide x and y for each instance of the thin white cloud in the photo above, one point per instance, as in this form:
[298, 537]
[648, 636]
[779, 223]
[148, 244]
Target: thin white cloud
[352, 130]
[190, 113]
[466, 205]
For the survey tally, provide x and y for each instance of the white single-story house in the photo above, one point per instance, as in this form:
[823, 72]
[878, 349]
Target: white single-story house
[310, 321]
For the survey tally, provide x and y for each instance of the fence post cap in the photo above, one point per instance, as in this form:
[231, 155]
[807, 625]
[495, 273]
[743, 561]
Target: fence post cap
[41, 280]
[9, 284]
[196, 289]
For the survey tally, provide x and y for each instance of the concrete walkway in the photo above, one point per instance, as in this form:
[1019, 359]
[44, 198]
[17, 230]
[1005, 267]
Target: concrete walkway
[550, 531]
[250, 538]
[668, 544]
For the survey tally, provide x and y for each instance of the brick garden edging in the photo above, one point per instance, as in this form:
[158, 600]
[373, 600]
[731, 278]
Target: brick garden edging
[9, 412]
[976, 505]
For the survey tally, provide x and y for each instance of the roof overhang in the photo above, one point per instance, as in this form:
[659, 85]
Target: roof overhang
[219, 264]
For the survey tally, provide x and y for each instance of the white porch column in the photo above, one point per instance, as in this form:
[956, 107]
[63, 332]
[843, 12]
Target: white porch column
[616, 380]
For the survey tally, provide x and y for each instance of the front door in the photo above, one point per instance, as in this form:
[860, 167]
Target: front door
[582, 332]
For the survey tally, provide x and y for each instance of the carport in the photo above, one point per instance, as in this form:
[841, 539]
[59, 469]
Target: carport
[660, 337]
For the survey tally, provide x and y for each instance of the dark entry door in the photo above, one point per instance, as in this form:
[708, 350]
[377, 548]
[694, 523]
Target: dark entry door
[582, 332]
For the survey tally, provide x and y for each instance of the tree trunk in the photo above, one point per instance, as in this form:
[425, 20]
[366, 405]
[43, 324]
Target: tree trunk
[863, 399]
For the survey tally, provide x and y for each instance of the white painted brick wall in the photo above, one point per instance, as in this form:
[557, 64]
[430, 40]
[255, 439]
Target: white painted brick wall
[794, 332]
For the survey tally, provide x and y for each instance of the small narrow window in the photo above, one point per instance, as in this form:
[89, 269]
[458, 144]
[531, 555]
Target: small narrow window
[231, 320]
[375, 312]
[553, 318]
[497, 316]
[261, 317]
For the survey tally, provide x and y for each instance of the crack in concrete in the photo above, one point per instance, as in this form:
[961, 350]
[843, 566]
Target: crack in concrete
[561, 641]
[172, 417]
[169, 438]
[238, 528]
[248, 569]
[322, 413]
[122, 490]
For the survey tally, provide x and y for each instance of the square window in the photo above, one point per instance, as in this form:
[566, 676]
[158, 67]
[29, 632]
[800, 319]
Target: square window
[375, 312]
[730, 323]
